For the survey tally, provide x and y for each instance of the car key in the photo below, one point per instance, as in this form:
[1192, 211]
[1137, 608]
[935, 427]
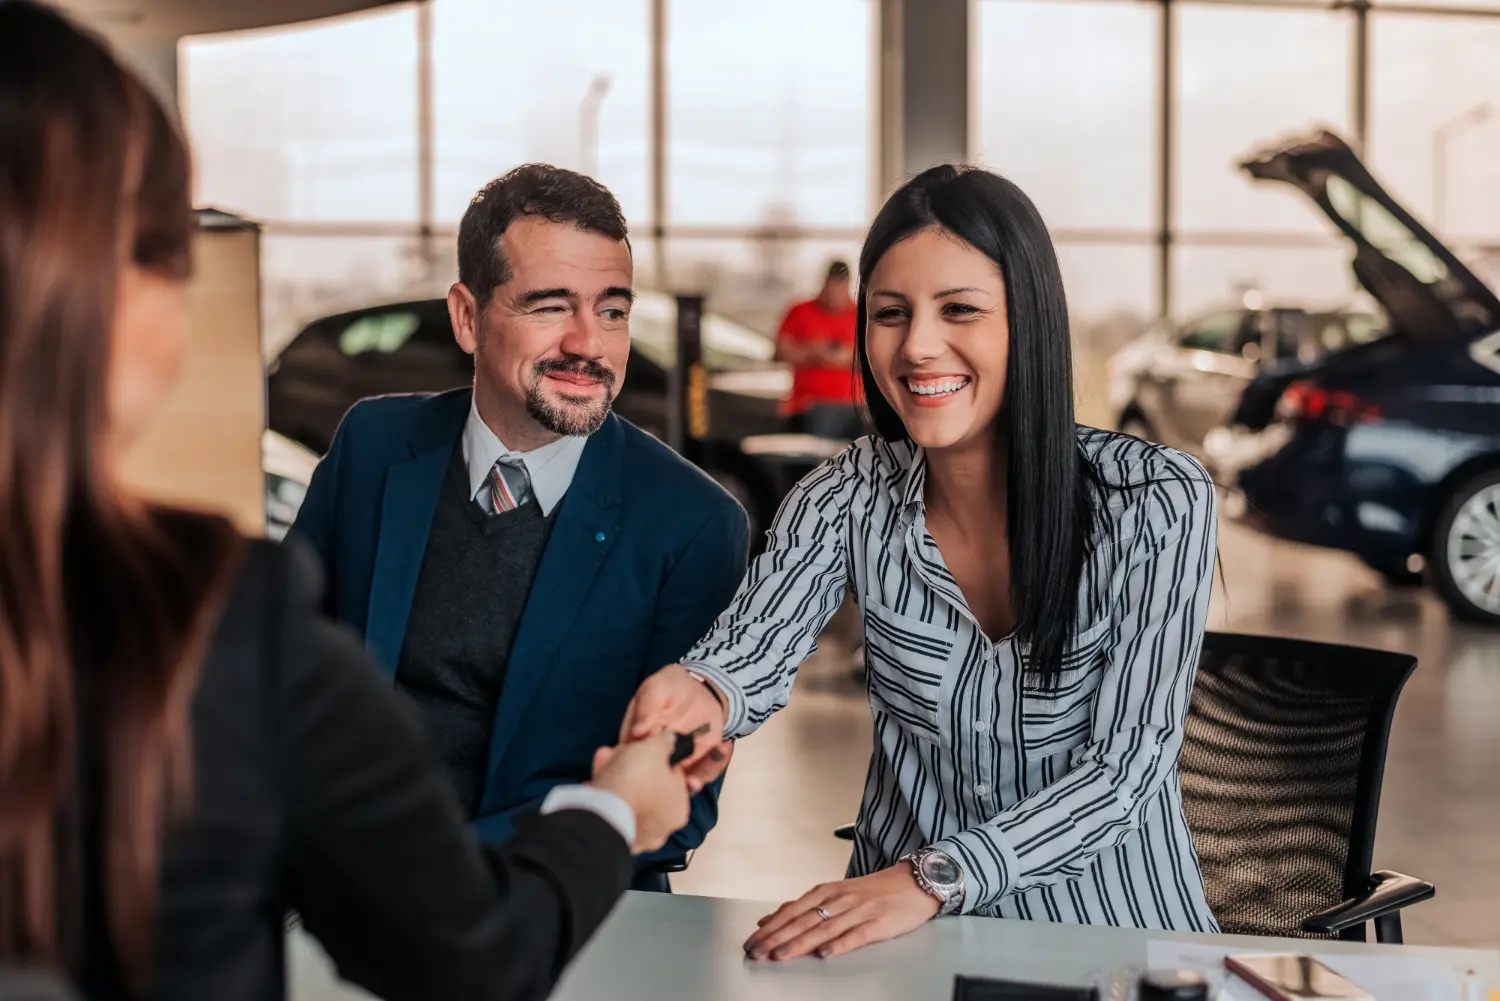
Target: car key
[683, 749]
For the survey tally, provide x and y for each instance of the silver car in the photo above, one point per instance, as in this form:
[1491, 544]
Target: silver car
[1176, 383]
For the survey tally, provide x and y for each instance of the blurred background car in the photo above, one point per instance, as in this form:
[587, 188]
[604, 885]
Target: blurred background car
[288, 469]
[1388, 449]
[1176, 383]
[409, 347]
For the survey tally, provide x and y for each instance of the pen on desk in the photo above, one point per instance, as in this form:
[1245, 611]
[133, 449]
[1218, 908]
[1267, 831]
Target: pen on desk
[683, 749]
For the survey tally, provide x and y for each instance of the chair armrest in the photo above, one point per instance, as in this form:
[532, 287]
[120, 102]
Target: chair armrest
[844, 833]
[1387, 893]
[671, 865]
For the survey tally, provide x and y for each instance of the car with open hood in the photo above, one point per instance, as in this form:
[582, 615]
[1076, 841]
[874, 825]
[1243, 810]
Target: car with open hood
[1389, 449]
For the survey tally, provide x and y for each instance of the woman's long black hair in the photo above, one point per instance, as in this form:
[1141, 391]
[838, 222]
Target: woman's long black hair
[1052, 489]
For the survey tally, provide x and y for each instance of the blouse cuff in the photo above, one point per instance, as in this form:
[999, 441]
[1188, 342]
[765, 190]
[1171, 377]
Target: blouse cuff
[989, 862]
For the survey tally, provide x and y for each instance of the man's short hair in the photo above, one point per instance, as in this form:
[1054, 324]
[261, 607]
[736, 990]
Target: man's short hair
[535, 189]
[839, 270]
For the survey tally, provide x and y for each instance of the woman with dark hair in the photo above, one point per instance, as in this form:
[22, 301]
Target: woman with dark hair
[1034, 595]
[186, 750]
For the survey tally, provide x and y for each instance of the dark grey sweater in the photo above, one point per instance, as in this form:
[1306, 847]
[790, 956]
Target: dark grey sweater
[475, 579]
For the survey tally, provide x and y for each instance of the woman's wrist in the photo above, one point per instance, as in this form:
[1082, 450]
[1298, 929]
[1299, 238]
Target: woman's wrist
[713, 689]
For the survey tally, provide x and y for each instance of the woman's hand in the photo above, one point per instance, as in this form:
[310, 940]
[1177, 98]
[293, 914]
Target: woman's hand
[672, 700]
[658, 792]
[873, 908]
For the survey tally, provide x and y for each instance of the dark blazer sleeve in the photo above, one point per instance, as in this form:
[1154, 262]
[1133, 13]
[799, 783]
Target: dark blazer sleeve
[697, 589]
[378, 859]
[314, 524]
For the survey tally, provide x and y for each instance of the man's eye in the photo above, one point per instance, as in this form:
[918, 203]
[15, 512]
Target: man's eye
[615, 314]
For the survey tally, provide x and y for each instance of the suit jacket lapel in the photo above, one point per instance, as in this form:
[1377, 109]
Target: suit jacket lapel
[587, 522]
[412, 489]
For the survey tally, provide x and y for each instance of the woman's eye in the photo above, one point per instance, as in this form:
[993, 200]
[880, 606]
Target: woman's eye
[889, 313]
[959, 309]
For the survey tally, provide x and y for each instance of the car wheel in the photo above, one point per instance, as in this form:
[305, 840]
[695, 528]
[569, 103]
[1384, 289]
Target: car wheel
[1465, 558]
[1137, 426]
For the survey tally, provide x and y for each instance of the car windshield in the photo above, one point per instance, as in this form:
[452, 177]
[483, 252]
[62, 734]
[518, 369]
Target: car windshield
[726, 344]
[381, 332]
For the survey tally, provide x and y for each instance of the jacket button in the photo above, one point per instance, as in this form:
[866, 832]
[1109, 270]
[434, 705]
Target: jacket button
[598, 536]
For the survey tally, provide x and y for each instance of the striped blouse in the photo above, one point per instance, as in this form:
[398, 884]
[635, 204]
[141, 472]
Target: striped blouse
[1060, 804]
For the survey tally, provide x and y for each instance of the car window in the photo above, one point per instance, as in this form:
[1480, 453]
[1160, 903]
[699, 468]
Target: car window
[1215, 332]
[384, 333]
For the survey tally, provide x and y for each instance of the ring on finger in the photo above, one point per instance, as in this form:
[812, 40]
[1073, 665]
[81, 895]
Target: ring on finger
[823, 914]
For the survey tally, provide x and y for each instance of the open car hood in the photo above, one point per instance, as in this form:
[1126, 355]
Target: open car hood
[1426, 291]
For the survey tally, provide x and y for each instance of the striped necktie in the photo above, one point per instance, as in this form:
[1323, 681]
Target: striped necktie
[509, 485]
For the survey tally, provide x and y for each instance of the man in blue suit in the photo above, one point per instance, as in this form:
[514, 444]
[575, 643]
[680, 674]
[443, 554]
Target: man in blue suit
[518, 558]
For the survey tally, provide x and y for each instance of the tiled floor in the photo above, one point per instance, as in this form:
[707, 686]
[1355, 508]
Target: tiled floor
[801, 775]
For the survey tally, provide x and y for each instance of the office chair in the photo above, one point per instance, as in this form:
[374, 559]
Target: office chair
[19, 984]
[1281, 765]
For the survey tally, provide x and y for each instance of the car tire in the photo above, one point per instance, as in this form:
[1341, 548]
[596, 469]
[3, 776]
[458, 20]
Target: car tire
[1464, 559]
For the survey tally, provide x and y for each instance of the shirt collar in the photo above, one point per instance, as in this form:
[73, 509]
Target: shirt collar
[916, 481]
[550, 468]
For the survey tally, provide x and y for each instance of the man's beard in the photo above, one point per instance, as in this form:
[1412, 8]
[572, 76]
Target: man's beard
[580, 417]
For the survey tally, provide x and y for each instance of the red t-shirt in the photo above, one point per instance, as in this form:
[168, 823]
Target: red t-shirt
[809, 323]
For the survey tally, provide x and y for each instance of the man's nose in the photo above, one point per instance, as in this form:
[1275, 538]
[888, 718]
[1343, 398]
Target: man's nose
[583, 338]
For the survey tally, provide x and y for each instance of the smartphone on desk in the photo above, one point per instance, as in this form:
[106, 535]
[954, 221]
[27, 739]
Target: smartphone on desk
[1294, 978]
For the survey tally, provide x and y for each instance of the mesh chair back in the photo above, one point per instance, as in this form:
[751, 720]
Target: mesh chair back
[1281, 766]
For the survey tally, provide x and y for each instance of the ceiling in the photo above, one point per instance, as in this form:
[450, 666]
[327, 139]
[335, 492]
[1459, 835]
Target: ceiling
[146, 21]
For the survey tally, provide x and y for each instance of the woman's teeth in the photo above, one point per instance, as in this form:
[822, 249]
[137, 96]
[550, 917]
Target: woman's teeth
[937, 387]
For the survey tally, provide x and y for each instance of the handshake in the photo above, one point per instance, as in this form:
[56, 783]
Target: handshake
[671, 746]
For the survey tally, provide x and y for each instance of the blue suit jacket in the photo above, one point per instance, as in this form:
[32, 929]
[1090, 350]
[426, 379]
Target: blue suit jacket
[645, 552]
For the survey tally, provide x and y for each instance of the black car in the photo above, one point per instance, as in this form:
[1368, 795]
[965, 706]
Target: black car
[1391, 449]
[409, 348]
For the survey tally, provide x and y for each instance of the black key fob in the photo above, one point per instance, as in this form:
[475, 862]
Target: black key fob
[683, 749]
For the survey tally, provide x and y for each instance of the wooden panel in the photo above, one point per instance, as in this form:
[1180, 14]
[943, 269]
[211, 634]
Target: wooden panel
[204, 451]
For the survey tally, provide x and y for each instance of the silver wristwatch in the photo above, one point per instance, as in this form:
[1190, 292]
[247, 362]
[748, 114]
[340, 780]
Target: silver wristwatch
[940, 875]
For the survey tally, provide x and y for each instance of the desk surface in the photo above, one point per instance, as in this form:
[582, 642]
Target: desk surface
[658, 946]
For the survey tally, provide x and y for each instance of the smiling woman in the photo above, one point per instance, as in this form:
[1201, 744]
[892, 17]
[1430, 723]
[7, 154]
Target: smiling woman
[1034, 594]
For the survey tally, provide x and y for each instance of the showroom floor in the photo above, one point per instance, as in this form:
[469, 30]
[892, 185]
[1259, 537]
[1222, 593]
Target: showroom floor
[801, 775]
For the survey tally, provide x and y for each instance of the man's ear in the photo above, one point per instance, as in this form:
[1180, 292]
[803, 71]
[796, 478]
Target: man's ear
[463, 312]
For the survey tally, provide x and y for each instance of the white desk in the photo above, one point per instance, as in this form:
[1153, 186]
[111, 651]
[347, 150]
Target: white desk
[657, 947]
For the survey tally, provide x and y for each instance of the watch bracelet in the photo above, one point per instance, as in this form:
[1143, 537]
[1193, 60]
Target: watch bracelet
[948, 904]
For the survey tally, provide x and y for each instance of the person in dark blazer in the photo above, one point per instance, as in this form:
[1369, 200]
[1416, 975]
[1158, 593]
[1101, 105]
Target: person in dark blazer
[191, 749]
[517, 558]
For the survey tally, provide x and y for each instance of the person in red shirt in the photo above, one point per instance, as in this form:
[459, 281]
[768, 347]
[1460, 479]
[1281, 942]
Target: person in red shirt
[817, 340]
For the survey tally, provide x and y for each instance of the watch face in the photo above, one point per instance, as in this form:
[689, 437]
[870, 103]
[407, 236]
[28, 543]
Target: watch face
[940, 869]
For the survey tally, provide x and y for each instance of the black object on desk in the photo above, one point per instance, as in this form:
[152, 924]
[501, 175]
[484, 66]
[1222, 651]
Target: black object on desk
[1172, 985]
[981, 989]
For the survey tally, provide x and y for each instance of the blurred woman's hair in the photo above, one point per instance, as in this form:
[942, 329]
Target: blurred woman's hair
[106, 603]
[1053, 494]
